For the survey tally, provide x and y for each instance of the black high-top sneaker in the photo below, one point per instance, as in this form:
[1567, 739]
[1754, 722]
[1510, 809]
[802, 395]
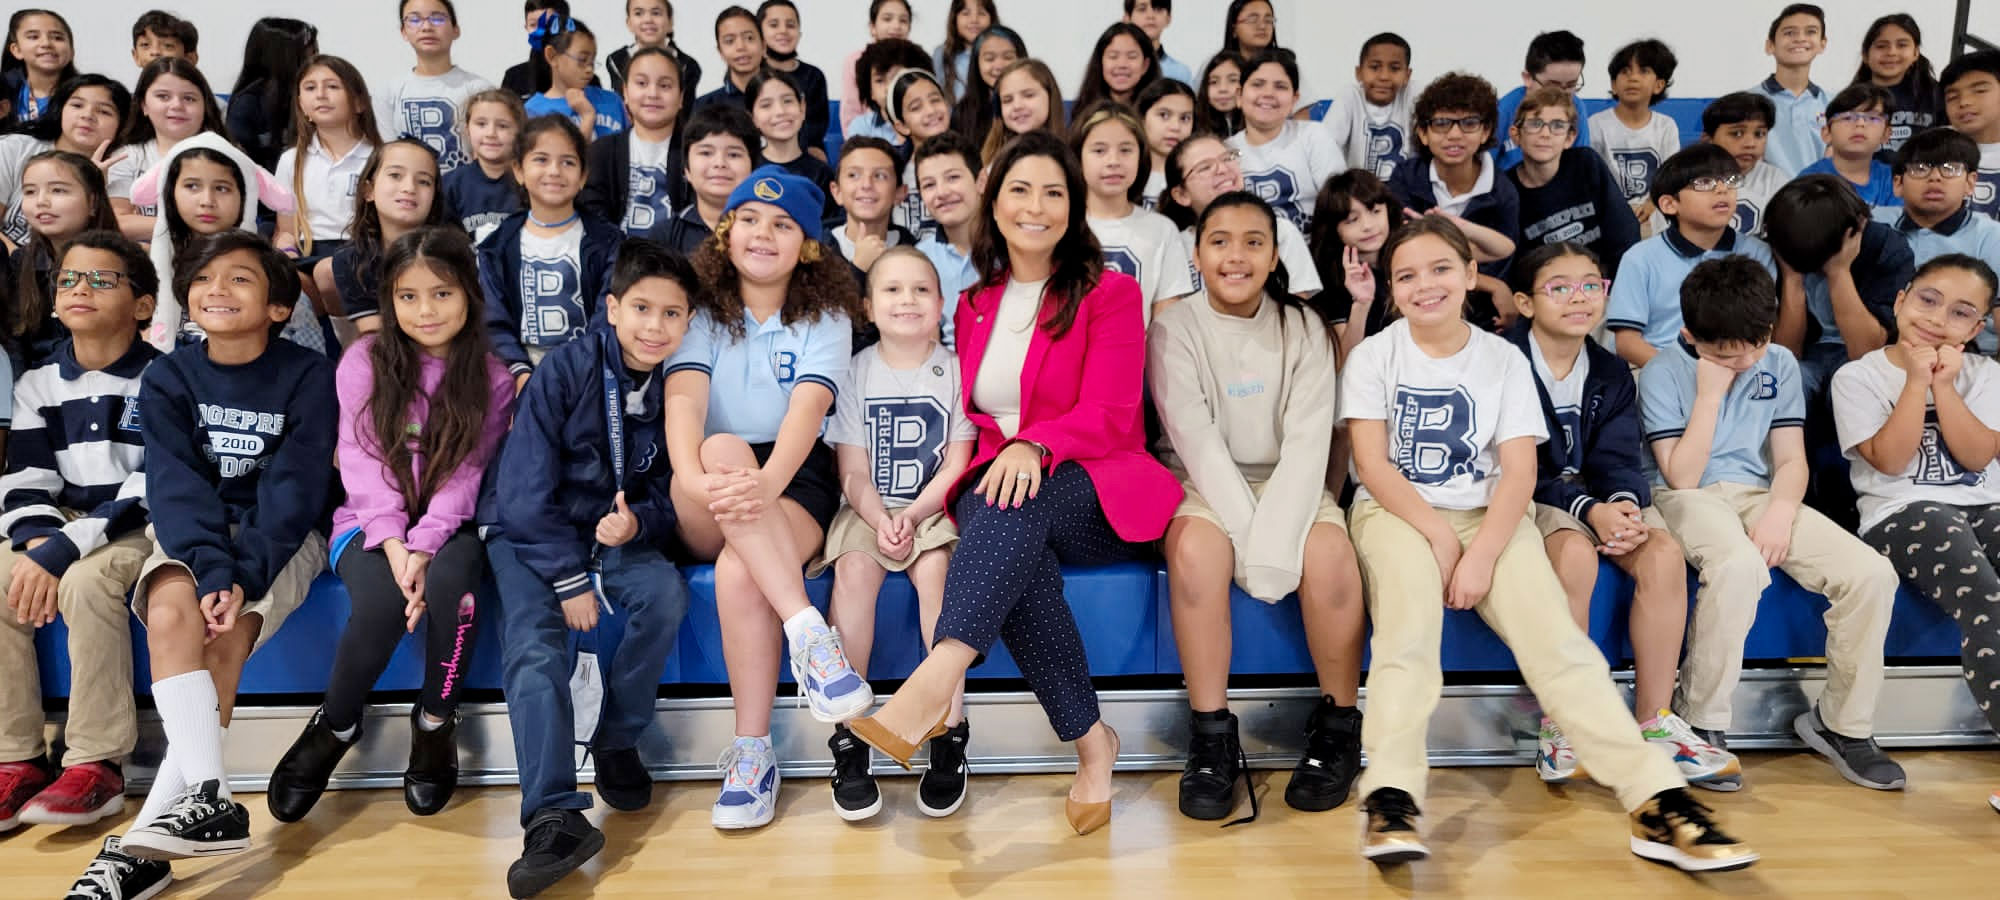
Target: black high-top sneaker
[1326, 772]
[1215, 763]
[1675, 829]
[855, 795]
[1391, 834]
[201, 822]
[942, 788]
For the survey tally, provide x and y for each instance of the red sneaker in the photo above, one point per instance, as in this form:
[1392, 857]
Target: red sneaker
[81, 796]
[19, 782]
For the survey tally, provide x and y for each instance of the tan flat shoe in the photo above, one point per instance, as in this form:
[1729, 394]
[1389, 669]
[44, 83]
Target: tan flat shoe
[872, 733]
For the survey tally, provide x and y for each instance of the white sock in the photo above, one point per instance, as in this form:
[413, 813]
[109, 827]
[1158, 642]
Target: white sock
[347, 734]
[799, 627]
[167, 786]
[190, 714]
[426, 723]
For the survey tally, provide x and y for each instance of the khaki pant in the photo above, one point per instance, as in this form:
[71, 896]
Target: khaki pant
[1712, 524]
[1528, 609]
[91, 599]
[287, 592]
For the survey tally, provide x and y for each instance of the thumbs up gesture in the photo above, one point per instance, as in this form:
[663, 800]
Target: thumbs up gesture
[619, 525]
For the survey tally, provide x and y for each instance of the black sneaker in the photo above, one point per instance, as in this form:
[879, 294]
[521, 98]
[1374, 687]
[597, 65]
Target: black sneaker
[622, 779]
[432, 775]
[557, 843]
[1859, 760]
[1325, 774]
[114, 875]
[1727, 784]
[201, 822]
[855, 795]
[1674, 828]
[941, 790]
[302, 773]
[1391, 834]
[1215, 763]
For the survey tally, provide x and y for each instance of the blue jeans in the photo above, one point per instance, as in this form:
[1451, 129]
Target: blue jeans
[537, 656]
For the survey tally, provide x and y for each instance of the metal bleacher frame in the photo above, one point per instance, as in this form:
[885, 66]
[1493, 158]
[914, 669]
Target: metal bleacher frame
[1962, 38]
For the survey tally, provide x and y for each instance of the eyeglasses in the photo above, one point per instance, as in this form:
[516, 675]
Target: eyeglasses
[1860, 118]
[1557, 127]
[1208, 166]
[588, 62]
[1254, 20]
[98, 279]
[1709, 184]
[1562, 290]
[1932, 301]
[1467, 124]
[1926, 170]
[1567, 87]
[418, 20]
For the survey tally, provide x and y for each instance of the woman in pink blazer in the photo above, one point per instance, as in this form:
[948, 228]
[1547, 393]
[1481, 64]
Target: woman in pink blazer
[1052, 354]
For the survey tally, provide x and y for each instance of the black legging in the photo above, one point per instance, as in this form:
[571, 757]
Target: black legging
[375, 625]
[1948, 553]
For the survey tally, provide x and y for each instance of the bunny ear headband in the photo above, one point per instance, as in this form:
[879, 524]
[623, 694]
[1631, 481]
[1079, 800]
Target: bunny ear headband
[272, 193]
[548, 26]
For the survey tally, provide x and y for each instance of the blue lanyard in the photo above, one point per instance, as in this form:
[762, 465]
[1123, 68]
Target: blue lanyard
[614, 422]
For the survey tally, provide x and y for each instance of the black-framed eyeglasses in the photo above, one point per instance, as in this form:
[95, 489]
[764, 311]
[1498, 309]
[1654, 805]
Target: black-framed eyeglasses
[1557, 127]
[1467, 124]
[98, 279]
[1926, 170]
[1708, 184]
[419, 20]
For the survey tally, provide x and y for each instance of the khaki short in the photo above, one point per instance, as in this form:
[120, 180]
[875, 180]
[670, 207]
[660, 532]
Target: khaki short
[287, 593]
[849, 534]
[1550, 519]
[1194, 507]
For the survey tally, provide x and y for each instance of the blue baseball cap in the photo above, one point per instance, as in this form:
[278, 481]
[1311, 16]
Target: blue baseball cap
[777, 186]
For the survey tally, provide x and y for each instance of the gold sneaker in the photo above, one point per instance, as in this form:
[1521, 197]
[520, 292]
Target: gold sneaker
[1390, 818]
[1675, 829]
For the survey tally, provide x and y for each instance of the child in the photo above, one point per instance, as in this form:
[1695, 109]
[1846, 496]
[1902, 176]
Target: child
[1555, 60]
[1568, 194]
[918, 111]
[887, 20]
[1741, 123]
[41, 55]
[1370, 119]
[1839, 272]
[778, 26]
[1166, 107]
[1221, 88]
[274, 56]
[396, 195]
[1120, 67]
[571, 52]
[1154, 17]
[335, 136]
[1857, 125]
[172, 104]
[1916, 421]
[156, 33]
[1724, 417]
[75, 521]
[591, 538]
[1797, 37]
[63, 196]
[91, 111]
[1206, 170]
[875, 67]
[545, 270]
[1631, 137]
[1029, 100]
[763, 363]
[1352, 220]
[1695, 190]
[1972, 99]
[434, 101]
[1454, 173]
[478, 197]
[900, 448]
[952, 60]
[721, 150]
[1934, 174]
[777, 106]
[995, 49]
[1136, 241]
[636, 180]
[1285, 160]
[540, 20]
[1592, 502]
[868, 192]
[651, 23]
[1892, 57]
[948, 177]
[423, 404]
[1444, 424]
[740, 43]
[1239, 375]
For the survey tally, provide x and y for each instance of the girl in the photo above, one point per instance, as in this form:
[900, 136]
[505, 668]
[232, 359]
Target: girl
[778, 25]
[1253, 514]
[431, 102]
[1892, 56]
[62, 196]
[1249, 27]
[172, 104]
[918, 111]
[1917, 420]
[1204, 168]
[479, 196]
[1221, 88]
[1166, 107]
[397, 193]
[753, 486]
[571, 52]
[635, 180]
[740, 43]
[90, 111]
[1111, 145]
[993, 51]
[887, 19]
[274, 55]
[422, 406]
[651, 23]
[1029, 99]
[1284, 160]
[952, 60]
[336, 134]
[41, 55]
[545, 270]
[1352, 218]
[1122, 65]
[1444, 419]
[896, 522]
[777, 107]
[1061, 471]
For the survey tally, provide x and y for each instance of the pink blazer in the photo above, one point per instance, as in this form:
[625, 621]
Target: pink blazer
[1081, 397]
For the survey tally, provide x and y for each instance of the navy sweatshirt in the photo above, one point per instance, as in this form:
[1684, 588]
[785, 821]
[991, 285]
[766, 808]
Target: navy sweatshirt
[500, 281]
[1583, 203]
[247, 448]
[477, 202]
[1498, 209]
[1605, 448]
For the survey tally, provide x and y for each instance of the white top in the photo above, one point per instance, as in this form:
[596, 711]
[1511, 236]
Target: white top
[432, 109]
[1446, 417]
[903, 418]
[1156, 184]
[751, 378]
[1760, 184]
[553, 308]
[646, 201]
[1986, 196]
[1288, 170]
[1634, 154]
[14, 152]
[846, 245]
[1565, 394]
[1456, 203]
[1293, 251]
[911, 213]
[138, 158]
[1864, 394]
[1374, 138]
[1146, 246]
[328, 186]
[997, 389]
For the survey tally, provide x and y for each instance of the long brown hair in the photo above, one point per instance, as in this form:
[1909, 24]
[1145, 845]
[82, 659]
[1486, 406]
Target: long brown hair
[444, 426]
[997, 134]
[1079, 261]
[366, 231]
[304, 132]
[821, 283]
[34, 298]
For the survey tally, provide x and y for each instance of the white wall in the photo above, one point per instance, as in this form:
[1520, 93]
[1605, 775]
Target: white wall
[1720, 42]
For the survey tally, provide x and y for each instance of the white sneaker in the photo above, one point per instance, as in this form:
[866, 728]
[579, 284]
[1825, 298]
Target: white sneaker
[1698, 759]
[749, 796]
[834, 692]
[1554, 760]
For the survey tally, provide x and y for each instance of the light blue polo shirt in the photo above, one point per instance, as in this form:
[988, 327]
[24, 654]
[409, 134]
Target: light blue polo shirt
[1176, 70]
[956, 275]
[1795, 141]
[750, 379]
[1646, 295]
[1765, 398]
[1964, 232]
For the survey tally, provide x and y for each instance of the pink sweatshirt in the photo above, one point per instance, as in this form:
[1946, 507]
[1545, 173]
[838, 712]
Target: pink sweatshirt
[374, 505]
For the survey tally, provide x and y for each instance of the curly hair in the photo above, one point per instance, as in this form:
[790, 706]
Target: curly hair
[1460, 90]
[821, 283]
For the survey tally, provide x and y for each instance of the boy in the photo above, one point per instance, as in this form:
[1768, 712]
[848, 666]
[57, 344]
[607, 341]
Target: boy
[1796, 38]
[591, 538]
[740, 42]
[1154, 17]
[1725, 418]
[720, 148]
[239, 432]
[874, 67]
[868, 189]
[1839, 276]
[1370, 120]
[1741, 124]
[1695, 191]
[156, 34]
[651, 23]
[1972, 99]
[1591, 498]
[1555, 60]
[75, 519]
[947, 178]
[1453, 172]
[431, 102]
[1857, 125]
[1632, 138]
[1935, 171]
[1567, 193]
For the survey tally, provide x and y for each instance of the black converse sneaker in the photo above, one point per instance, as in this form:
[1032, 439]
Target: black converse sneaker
[113, 875]
[1389, 828]
[302, 773]
[855, 795]
[558, 842]
[1332, 760]
[201, 822]
[1215, 763]
[941, 790]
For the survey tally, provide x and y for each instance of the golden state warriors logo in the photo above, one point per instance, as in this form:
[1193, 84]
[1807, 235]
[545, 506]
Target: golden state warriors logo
[768, 190]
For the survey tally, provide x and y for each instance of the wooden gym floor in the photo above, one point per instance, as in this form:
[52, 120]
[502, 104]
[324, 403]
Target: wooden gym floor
[1496, 832]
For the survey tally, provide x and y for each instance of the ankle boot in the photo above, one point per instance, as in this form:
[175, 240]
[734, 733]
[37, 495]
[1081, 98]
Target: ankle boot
[433, 773]
[302, 773]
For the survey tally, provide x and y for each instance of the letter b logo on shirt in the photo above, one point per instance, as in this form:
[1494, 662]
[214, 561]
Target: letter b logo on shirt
[1433, 435]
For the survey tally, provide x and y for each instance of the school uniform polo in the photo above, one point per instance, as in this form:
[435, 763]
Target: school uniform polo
[1795, 140]
[1880, 189]
[1646, 296]
[1766, 397]
[328, 186]
[751, 378]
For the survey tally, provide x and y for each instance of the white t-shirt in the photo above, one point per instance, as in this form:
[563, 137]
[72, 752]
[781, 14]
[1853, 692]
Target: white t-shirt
[1374, 138]
[329, 185]
[1565, 395]
[553, 308]
[14, 152]
[118, 179]
[1864, 394]
[903, 418]
[1146, 246]
[432, 109]
[1634, 154]
[1986, 196]
[646, 200]
[1446, 417]
[1293, 251]
[911, 213]
[1156, 184]
[997, 389]
[1287, 171]
[1760, 184]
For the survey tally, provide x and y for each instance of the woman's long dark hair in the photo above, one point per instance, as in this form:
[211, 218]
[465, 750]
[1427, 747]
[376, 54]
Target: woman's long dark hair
[1094, 87]
[49, 126]
[977, 110]
[1206, 116]
[139, 128]
[34, 298]
[273, 56]
[1921, 78]
[443, 427]
[1078, 261]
